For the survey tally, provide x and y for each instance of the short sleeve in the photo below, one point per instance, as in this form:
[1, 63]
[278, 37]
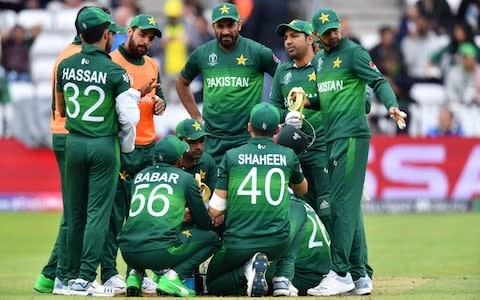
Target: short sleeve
[191, 69]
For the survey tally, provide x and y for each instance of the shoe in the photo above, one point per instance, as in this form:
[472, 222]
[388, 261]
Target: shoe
[363, 286]
[117, 283]
[255, 270]
[59, 288]
[332, 284]
[43, 284]
[134, 282]
[173, 286]
[149, 287]
[283, 287]
[82, 287]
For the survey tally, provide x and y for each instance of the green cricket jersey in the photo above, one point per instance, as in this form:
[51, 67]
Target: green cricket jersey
[159, 196]
[232, 83]
[313, 255]
[288, 76]
[256, 176]
[207, 168]
[342, 74]
[90, 82]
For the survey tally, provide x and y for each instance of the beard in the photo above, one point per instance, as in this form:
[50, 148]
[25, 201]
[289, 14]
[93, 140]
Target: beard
[227, 41]
[136, 50]
[108, 45]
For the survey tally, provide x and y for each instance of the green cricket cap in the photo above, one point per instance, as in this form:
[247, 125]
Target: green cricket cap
[467, 49]
[325, 19]
[225, 11]
[169, 149]
[265, 117]
[145, 22]
[297, 25]
[190, 129]
[94, 16]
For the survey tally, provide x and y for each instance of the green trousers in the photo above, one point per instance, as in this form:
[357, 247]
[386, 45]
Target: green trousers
[131, 164]
[225, 275]
[347, 168]
[91, 174]
[55, 266]
[217, 147]
[182, 258]
[314, 164]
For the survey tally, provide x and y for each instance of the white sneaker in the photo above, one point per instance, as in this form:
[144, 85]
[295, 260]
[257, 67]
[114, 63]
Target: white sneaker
[117, 283]
[363, 286]
[149, 287]
[332, 284]
[59, 288]
[255, 270]
[82, 287]
[283, 287]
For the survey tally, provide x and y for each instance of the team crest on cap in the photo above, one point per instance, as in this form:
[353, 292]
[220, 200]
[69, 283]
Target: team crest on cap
[324, 17]
[152, 21]
[224, 9]
[196, 126]
[212, 59]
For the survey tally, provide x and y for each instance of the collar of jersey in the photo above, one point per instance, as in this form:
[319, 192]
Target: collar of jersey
[261, 139]
[131, 59]
[292, 65]
[91, 49]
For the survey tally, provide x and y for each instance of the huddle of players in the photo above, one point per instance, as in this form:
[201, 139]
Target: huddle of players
[255, 205]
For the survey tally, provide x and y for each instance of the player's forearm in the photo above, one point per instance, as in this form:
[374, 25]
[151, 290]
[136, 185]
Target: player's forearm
[301, 188]
[60, 104]
[384, 92]
[128, 117]
[186, 97]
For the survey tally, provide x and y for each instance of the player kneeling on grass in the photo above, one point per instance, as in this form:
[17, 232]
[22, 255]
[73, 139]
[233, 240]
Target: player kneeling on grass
[152, 237]
[252, 189]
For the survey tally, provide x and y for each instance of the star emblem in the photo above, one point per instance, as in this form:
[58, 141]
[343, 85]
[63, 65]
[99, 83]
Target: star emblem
[202, 174]
[224, 9]
[187, 233]
[123, 175]
[152, 21]
[324, 18]
[241, 60]
[337, 62]
[197, 126]
[312, 76]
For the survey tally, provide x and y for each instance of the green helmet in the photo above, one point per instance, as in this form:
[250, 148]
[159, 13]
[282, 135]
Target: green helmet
[293, 138]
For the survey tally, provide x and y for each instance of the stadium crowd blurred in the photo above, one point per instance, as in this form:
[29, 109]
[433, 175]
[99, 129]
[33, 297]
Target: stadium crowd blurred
[431, 58]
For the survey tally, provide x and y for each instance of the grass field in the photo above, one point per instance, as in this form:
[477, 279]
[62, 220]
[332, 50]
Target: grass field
[430, 256]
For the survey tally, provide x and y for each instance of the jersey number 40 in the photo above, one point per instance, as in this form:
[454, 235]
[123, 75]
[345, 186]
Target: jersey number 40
[254, 191]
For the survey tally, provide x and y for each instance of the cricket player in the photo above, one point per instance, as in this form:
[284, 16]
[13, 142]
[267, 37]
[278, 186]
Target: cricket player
[233, 70]
[252, 192]
[195, 161]
[52, 274]
[152, 237]
[300, 72]
[95, 95]
[342, 71]
[142, 71]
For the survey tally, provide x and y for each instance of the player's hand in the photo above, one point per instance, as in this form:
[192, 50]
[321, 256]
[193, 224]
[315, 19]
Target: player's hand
[158, 105]
[187, 216]
[294, 118]
[398, 116]
[218, 220]
[148, 87]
